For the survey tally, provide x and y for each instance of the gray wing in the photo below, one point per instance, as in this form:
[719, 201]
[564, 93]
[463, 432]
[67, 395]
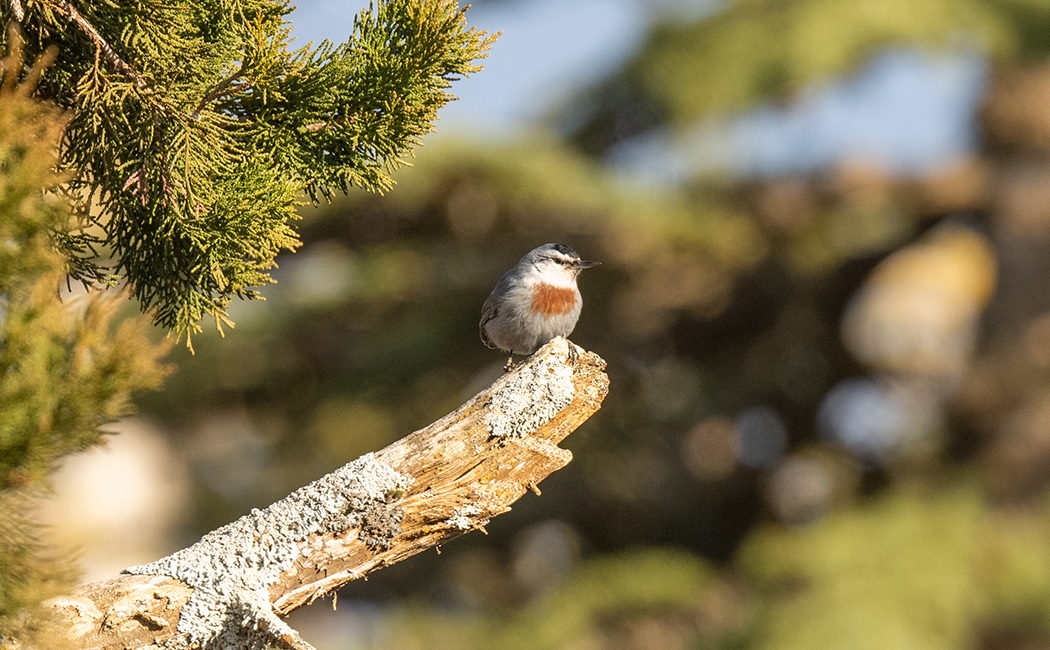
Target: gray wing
[489, 310]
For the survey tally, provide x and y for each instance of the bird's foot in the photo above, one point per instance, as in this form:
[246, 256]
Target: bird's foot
[574, 352]
[507, 367]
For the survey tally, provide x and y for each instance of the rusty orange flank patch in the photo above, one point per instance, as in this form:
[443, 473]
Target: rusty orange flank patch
[552, 301]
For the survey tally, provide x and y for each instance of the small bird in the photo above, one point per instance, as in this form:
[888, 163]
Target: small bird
[534, 302]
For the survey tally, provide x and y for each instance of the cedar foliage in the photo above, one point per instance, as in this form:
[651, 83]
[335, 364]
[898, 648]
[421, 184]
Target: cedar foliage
[65, 370]
[197, 129]
[169, 146]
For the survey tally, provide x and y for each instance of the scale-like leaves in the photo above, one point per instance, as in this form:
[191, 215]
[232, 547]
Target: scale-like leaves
[65, 370]
[196, 131]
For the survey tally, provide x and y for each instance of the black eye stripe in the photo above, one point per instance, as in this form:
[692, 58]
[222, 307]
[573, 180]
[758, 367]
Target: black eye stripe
[558, 260]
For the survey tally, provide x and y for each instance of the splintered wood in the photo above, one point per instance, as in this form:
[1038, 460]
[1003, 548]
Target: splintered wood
[441, 482]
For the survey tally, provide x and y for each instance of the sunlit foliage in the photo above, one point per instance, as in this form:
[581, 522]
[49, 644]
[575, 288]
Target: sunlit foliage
[66, 368]
[195, 131]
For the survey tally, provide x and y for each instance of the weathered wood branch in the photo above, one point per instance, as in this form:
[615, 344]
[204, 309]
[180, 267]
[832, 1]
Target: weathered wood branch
[436, 484]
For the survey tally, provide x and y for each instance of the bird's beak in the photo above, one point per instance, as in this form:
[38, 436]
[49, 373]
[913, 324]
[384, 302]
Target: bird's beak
[584, 264]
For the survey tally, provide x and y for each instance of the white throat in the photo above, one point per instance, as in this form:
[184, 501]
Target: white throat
[556, 276]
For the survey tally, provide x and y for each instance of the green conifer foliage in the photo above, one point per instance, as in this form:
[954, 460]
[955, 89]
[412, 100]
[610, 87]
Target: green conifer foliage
[197, 129]
[65, 370]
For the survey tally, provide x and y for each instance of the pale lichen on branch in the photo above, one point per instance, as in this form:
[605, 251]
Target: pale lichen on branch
[232, 569]
[424, 490]
[530, 399]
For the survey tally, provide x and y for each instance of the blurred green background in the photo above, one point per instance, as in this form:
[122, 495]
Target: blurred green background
[824, 301]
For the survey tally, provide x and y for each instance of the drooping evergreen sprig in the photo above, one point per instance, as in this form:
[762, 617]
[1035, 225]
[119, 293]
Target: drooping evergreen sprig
[197, 129]
[66, 368]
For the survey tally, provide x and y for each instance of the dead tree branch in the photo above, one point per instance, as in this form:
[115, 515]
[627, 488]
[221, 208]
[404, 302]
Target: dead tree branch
[227, 590]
